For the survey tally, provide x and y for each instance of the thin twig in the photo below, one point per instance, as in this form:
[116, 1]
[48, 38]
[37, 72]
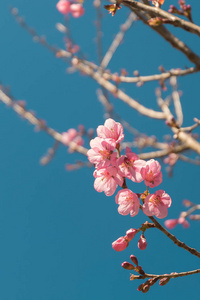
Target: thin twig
[174, 20]
[172, 275]
[117, 40]
[36, 121]
[174, 239]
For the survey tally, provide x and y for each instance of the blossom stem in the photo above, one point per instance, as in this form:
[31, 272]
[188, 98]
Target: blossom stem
[172, 275]
[174, 239]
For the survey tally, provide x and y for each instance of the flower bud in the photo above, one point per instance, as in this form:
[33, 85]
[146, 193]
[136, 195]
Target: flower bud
[146, 288]
[142, 243]
[127, 266]
[183, 222]
[164, 280]
[63, 7]
[134, 259]
[187, 203]
[130, 234]
[140, 287]
[120, 244]
[171, 223]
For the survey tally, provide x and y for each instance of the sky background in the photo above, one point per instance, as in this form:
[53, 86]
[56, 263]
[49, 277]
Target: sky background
[55, 229]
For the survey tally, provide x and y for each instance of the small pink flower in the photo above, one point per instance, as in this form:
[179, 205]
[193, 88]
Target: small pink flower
[63, 6]
[107, 180]
[111, 129]
[76, 10]
[183, 222]
[130, 165]
[157, 204]
[171, 223]
[120, 244]
[151, 173]
[101, 153]
[142, 243]
[171, 159]
[68, 136]
[130, 234]
[128, 202]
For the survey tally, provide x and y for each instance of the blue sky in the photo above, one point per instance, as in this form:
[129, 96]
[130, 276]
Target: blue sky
[56, 230]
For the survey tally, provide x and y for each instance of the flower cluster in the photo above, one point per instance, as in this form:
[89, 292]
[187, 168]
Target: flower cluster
[65, 7]
[112, 169]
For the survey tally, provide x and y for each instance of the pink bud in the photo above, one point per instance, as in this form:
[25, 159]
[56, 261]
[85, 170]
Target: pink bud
[183, 222]
[171, 223]
[126, 265]
[76, 10]
[187, 203]
[63, 6]
[134, 259]
[142, 243]
[120, 244]
[130, 234]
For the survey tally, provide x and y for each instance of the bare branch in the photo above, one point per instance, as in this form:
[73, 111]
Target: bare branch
[174, 20]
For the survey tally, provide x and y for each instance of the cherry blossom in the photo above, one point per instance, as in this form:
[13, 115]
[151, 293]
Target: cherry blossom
[151, 173]
[68, 136]
[120, 244]
[111, 129]
[101, 153]
[63, 6]
[107, 180]
[130, 165]
[128, 202]
[157, 204]
[76, 10]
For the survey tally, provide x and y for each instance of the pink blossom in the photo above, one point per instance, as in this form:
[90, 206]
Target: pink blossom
[101, 153]
[120, 244]
[130, 234]
[63, 6]
[68, 136]
[151, 173]
[171, 159]
[142, 243]
[157, 204]
[128, 202]
[183, 222]
[107, 180]
[130, 165]
[111, 129]
[76, 10]
[171, 223]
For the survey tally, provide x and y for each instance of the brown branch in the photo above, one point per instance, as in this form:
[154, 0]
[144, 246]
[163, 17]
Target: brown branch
[117, 40]
[172, 275]
[167, 35]
[174, 20]
[177, 102]
[117, 92]
[162, 76]
[174, 239]
[162, 153]
[35, 121]
[186, 138]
